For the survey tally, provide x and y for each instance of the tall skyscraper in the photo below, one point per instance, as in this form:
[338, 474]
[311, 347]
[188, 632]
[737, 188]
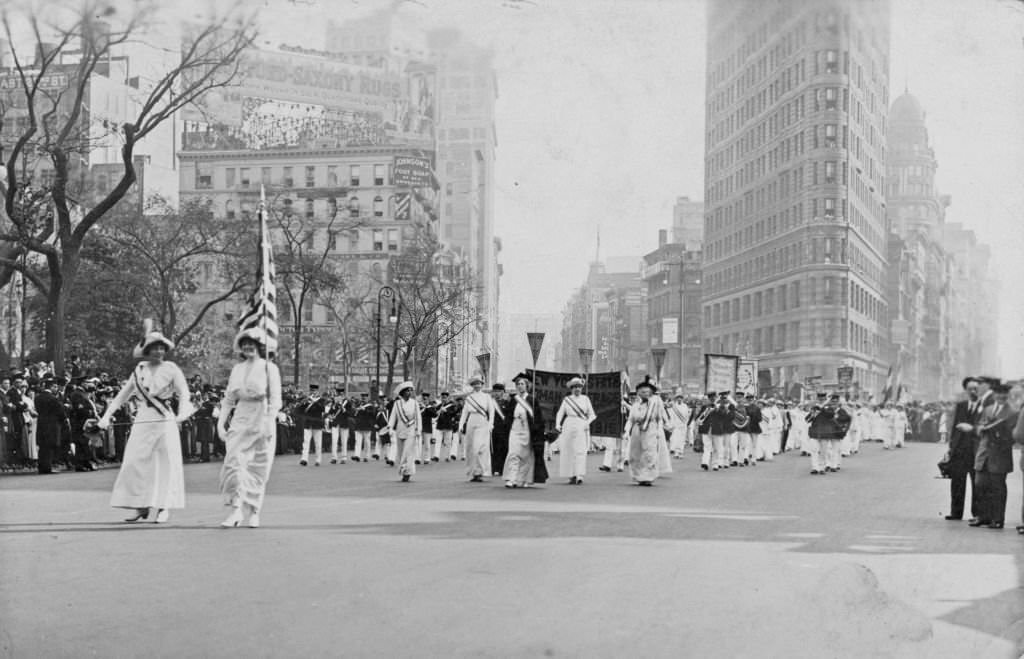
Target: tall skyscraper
[795, 229]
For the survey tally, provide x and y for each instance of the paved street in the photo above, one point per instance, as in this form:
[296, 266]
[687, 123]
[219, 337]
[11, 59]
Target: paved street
[755, 562]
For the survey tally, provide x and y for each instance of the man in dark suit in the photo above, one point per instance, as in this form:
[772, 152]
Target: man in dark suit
[52, 423]
[962, 448]
[994, 459]
[83, 408]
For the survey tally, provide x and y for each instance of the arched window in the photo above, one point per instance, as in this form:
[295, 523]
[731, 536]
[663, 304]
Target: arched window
[378, 206]
[229, 209]
[353, 206]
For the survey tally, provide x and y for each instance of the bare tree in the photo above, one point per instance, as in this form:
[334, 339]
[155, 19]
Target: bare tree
[47, 220]
[436, 303]
[306, 272]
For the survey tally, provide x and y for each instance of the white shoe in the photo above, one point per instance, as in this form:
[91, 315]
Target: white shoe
[162, 516]
[254, 521]
[232, 520]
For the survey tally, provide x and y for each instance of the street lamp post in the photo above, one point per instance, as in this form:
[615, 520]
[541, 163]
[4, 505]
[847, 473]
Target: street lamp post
[385, 292]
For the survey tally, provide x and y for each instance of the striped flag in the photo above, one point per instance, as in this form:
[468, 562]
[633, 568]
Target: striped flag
[262, 308]
[891, 392]
[402, 206]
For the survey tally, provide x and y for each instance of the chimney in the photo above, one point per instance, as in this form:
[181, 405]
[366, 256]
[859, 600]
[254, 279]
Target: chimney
[662, 237]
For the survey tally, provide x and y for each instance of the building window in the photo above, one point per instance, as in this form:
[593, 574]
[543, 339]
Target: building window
[289, 178]
[758, 309]
[782, 298]
[831, 61]
[378, 174]
[353, 176]
[310, 176]
[378, 240]
[353, 206]
[204, 176]
[830, 171]
[307, 311]
[229, 209]
[829, 290]
[769, 301]
[243, 177]
[229, 177]
[830, 209]
[392, 240]
[794, 296]
[332, 241]
[831, 136]
[265, 176]
[829, 246]
[287, 207]
[353, 239]
[309, 209]
[378, 206]
[332, 175]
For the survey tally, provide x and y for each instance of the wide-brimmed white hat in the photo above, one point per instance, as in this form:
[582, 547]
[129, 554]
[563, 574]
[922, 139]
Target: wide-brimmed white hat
[402, 387]
[150, 339]
[476, 379]
[254, 333]
[575, 382]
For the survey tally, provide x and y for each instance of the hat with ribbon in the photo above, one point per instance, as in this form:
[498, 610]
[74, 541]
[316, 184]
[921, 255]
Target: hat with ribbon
[150, 337]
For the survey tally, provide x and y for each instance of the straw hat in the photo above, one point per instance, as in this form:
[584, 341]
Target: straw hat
[150, 337]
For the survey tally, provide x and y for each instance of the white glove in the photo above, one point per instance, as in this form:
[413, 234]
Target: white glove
[103, 423]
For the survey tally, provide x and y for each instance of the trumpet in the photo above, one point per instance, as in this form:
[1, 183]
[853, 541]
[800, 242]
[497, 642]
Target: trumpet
[704, 415]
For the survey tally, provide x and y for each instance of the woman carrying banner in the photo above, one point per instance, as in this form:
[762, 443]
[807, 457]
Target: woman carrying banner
[475, 424]
[645, 429]
[573, 423]
[151, 474]
[527, 432]
[406, 426]
[254, 395]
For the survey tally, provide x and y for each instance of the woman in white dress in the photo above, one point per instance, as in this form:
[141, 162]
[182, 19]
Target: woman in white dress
[405, 425]
[573, 425]
[526, 433]
[679, 422]
[475, 424]
[645, 429]
[248, 424]
[151, 474]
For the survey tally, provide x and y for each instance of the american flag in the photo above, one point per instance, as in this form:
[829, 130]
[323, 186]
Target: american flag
[893, 386]
[262, 308]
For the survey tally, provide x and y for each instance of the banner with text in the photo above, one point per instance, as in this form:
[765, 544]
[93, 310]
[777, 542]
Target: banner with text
[603, 389]
[746, 378]
[720, 372]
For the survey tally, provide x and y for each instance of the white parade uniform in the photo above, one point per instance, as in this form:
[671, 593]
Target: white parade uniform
[573, 419]
[476, 423]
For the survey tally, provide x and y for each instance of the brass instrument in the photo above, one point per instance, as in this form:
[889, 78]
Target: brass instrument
[740, 419]
[704, 415]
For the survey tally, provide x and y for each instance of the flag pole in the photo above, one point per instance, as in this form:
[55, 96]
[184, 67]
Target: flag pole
[264, 251]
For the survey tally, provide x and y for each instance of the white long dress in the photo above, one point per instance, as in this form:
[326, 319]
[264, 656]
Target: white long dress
[478, 420]
[518, 469]
[254, 394]
[574, 418]
[151, 474]
[645, 429]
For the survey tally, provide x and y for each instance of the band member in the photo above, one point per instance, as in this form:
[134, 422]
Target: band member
[526, 439]
[572, 421]
[644, 427]
[749, 436]
[151, 474]
[251, 402]
[383, 444]
[428, 412]
[366, 414]
[702, 427]
[828, 424]
[447, 417]
[994, 459]
[616, 451]
[312, 414]
[679, 421]
[721, 428]
[406, 426]
[476, 423]
[341, 410]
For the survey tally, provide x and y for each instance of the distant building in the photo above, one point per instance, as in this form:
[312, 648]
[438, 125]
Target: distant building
[516, 354]
[795, 228]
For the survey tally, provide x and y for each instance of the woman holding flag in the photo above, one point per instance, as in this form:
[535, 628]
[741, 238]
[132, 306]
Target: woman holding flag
[477, 420]
[151, 474]
[644, 427]
[251, 401]
[406, 427]
[572, 421]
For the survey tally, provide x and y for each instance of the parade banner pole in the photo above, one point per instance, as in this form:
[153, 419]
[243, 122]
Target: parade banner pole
[536, 340]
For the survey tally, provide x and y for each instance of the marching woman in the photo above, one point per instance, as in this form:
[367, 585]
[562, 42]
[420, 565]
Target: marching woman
[573, 424]
[526, 434]
[475, 424]
[679, 422]
[645, 429]
[406, 427]
[253, 395]
[151, 474]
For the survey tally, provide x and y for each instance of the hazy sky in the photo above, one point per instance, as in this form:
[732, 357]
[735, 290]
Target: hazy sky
[601, 114]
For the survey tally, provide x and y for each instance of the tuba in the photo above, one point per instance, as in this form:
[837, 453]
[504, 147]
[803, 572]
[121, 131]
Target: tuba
[740, 418]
